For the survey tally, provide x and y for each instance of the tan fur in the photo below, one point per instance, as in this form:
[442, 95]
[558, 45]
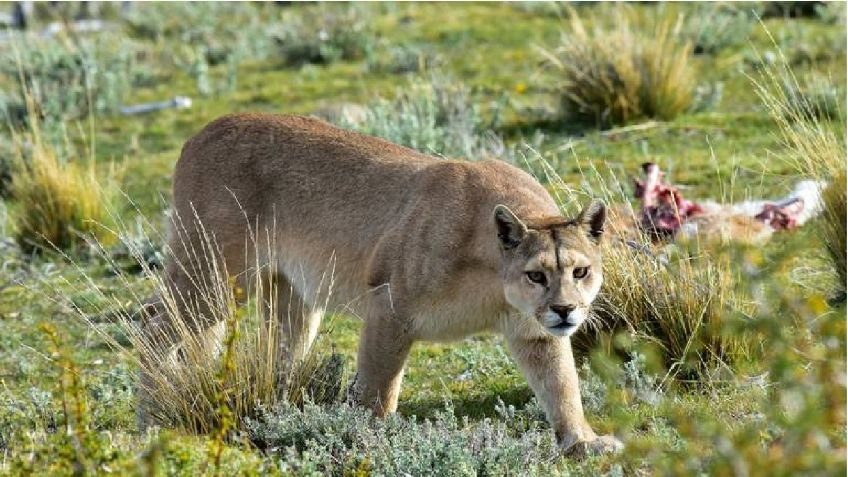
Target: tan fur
[422, 249]
[724, 227]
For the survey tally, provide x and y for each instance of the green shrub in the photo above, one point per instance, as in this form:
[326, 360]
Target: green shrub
[195, 37]
[707, 96]
[803, 44]
[832, 12]
[615, 75]
[7, 160]
[834, 227]
[713, 28]
[399, 59]
[799, 414]
[435, 118]
[546, 8]
[347, 440]
[324, 36]
[216, 29]
[67, 79]
[791, 9]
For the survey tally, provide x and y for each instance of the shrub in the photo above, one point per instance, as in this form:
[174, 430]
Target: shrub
[707, 96]
[58, 200]
[832, 12]
[216, 29]
[346, 440]
[435, 118]
[803, 44]
[543, 8]
[614, 75]
[834, 226]
[196, 37]
[6, 164]
[791, 9]
[400, 59]
[67, 79]
[714, 28]
[324, 36]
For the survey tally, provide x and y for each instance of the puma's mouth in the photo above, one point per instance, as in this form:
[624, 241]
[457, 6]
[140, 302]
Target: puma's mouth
[564, 328]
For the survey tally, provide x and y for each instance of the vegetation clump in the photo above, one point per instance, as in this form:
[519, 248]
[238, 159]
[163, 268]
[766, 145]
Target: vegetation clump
[614, 75]
[713, 28]
[435, 117]
[66, 79]
[59, 200]
[325, 36]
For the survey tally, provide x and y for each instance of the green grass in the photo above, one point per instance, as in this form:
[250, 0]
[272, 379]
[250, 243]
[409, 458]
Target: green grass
[732, 150]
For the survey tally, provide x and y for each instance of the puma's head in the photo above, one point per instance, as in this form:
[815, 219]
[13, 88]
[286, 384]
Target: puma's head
[551, 268]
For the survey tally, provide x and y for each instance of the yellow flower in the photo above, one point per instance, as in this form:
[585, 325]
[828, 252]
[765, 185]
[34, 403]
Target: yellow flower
[520, 88]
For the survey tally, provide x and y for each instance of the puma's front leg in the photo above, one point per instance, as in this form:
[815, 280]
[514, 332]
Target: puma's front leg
[383, 349]
[548, 365]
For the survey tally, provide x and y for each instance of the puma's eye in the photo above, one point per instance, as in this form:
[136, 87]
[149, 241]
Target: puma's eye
[537, 277]
[581, 272]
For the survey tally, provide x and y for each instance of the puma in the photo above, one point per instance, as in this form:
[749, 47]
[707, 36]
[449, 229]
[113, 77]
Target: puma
[423, 249]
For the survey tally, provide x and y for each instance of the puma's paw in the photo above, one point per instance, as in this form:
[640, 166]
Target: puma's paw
[598, 445]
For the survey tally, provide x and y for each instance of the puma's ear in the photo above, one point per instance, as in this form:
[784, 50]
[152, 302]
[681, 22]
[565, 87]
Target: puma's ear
[592, 218]
[510, 229]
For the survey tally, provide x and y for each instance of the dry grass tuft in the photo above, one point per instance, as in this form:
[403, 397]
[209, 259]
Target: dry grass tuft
[213, 382]
[612, 75]
[816, 144]
[680, 302]
[58, 201]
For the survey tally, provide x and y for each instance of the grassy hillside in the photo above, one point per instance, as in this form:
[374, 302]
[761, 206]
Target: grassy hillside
[67, 397]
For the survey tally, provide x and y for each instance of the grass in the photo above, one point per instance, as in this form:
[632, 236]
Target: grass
[817, 151]
[833, 228]
[463, 405]
[680, 302]
[215, 381]
[613, 75]
[59, 202]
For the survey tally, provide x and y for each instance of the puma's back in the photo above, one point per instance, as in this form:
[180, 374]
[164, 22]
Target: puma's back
[331, 194]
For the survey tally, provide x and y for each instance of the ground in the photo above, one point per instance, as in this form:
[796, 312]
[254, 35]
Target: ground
[730, 150]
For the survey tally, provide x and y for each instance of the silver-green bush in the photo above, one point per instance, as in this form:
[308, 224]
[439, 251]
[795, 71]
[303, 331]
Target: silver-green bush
[67, 79]
[435, 117]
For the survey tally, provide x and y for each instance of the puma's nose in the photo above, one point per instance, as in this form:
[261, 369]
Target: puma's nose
[562, 310]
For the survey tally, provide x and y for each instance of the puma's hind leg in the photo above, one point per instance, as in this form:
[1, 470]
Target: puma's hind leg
[294, 320]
